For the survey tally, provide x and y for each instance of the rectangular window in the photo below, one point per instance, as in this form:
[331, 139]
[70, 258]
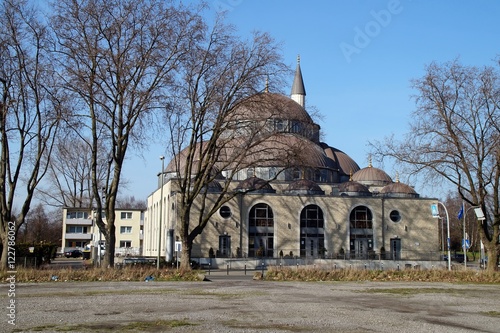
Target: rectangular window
[125, 243]
[76, 229]
[272, 172]
[279, 125]
[125, 230]
[250, 172]
[77, 215]
[126, 215]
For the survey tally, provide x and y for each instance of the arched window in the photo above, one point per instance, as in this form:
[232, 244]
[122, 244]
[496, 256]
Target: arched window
[311, 217]
[261, 215]
[361, 218]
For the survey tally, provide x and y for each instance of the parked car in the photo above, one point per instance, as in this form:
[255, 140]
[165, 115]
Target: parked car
[459, 257]
[73, 254]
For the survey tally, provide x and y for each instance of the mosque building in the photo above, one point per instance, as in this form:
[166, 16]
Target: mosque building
[330, 209]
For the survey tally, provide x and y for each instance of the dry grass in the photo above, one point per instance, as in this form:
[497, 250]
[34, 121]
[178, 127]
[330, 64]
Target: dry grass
[435, 275]
[272, 274]
[103, 274]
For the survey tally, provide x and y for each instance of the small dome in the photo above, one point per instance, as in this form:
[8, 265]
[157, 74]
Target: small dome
[255, 184]
[372, 176]
[304, 186]
[352, 188]
[399, 190]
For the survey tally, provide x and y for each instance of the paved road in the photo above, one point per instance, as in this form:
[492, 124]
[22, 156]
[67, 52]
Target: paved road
[236, 303]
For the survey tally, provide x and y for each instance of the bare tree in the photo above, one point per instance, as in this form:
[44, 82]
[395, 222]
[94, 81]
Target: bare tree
[130, 202]
[41, 226]
[119, 59]
[69, 183]
[455, 136]
[30, 113]
[223, 124]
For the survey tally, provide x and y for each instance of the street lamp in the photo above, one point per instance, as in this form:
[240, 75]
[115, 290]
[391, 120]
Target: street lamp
[162, 158]
[435, 213]
[480, 217]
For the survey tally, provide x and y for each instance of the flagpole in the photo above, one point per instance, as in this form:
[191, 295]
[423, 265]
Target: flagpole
[464, 212]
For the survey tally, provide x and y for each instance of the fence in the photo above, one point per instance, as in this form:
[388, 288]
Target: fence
[369, 255]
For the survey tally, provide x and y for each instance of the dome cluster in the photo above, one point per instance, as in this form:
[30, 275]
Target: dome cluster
[288, 152]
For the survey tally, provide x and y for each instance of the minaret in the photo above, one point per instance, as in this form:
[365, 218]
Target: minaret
[298, 90]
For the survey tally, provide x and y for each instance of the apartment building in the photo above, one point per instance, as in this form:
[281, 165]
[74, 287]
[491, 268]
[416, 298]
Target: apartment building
[80, 230]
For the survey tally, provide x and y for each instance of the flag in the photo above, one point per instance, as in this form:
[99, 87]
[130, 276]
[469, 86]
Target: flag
[461, 212]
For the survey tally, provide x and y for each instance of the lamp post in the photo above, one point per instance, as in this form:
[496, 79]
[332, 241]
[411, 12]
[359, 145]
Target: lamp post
[480, 217]
[162, 158]
[435, 213]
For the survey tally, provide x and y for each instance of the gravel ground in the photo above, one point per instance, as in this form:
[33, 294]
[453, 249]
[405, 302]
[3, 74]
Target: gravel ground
[240, 304]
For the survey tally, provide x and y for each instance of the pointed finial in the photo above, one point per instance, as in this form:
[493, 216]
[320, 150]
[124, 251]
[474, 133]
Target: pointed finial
[350, 175]
[397, 177]
[370, 161]
[267, 85]
[298, 59]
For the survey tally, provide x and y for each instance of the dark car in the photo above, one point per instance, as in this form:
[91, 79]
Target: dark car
[460, 258]
[73, 254]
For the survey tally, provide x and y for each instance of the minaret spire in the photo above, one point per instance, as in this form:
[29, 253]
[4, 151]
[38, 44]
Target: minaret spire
[298, 90]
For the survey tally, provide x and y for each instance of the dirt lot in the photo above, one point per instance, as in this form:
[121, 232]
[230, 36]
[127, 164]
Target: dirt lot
[240, 304]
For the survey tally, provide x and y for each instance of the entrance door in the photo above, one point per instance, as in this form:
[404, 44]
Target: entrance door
[225, 246]
[312, 247]
[361, 247]
[396, 248]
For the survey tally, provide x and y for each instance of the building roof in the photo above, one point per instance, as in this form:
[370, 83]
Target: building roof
[344, 162]
[267, 105]
[255, 184]
[353, 188]
[304, 186]
[372, 176]
[398, 189]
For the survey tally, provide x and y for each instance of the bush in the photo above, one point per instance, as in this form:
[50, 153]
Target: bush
[42, 252]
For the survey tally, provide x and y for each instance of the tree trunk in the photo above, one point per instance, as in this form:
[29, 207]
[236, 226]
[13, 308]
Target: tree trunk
[186, 255]
[5, 247]
[109, 258]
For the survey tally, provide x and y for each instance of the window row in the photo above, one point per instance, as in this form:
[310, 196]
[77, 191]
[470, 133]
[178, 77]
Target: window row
[261, 215]
[85, 215]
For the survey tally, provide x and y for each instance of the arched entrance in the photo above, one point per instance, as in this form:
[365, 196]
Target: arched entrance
[312, 232]
[361, 232]
[261, 231]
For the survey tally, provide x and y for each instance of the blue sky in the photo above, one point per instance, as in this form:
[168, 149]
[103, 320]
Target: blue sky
[357, 59]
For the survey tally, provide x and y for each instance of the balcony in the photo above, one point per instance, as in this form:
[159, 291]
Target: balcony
[79, 222]
[74, 236]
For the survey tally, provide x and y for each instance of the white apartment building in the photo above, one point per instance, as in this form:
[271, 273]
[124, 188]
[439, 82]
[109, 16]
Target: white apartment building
[80, 230]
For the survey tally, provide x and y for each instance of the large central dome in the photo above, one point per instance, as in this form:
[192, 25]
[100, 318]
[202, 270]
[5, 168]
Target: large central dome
[271, 136]
[268, 105]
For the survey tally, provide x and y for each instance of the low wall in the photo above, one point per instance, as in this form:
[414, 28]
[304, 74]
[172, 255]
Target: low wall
[255, 264]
